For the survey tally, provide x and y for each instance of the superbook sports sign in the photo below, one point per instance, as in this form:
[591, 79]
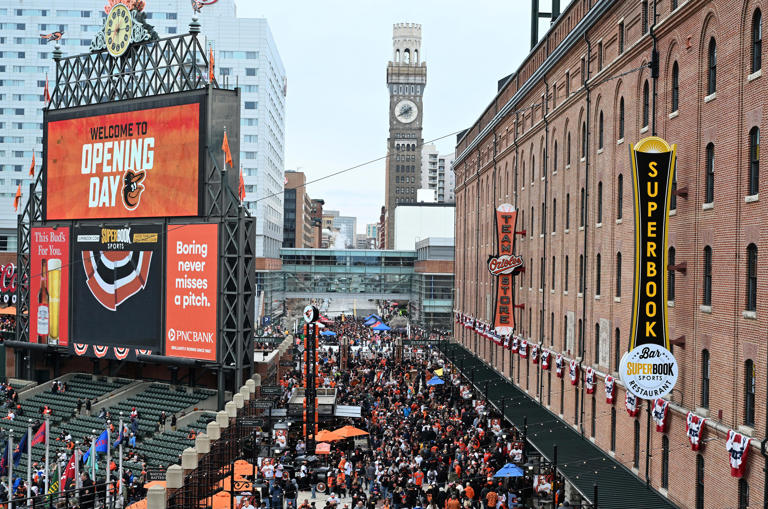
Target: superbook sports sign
[649, 370]
[504, 265]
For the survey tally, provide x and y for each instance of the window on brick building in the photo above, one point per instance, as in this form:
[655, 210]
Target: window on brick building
[673, 5]
[576, 414]
[712, 67]
[554, 157]
[636, 448]
[757, 41]
[646, 104]
[599, 202]
[553, 273]
[568, 150]
[621, 118]
[554, 215]
[709, 181]
[593, 417]
[671, 274]
[621, 38]
[597, 343]
[699, 481]
[751, 294]
[552, 326]
[565, 274]
[749, 393]
[705, 378]
[598, 263]
[583, 140]
[616, 349]
[665, 461]
[618, 274]
[754, 160]
[707, 288]
[567, 84]
[581, 341]
[583, 209]
[600, 131]
[675, 87]
[542, 273]
[743, 494]
[567, 211]
[530, 275]
[530, 232]
[619, 196]
[562, 395]
[613, 428]
[543, 220]
[644, 15]
[581, 273]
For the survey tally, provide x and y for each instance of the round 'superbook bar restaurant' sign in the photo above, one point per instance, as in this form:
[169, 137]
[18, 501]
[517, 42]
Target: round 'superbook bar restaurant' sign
[649, 370]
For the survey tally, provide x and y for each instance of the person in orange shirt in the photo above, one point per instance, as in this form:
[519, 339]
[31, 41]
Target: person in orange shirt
[469, 492]
[418, 478]
[341, 480]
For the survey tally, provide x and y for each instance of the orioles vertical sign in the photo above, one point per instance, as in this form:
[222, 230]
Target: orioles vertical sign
[504, 265]
[650, 370]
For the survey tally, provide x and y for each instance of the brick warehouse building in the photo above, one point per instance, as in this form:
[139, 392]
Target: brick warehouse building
[559, 152]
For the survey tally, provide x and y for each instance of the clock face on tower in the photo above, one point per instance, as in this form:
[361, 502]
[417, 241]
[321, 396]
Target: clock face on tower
[117, 30]
[406, 111]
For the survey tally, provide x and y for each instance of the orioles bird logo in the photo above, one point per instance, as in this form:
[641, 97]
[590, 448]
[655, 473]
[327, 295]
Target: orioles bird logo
[132, 188]
[53, 36]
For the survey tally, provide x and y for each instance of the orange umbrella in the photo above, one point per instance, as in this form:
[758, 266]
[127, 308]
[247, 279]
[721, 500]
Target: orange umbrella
[323, 448]
[350, 431]
[328, 436]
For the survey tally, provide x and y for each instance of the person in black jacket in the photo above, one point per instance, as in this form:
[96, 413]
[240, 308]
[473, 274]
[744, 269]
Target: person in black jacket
[86, 492]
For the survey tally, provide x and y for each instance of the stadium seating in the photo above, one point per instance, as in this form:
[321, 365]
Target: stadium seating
[165, 448]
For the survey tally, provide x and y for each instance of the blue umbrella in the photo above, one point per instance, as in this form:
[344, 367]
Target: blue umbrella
[327, 333]
[435, 380]
[381, 326]
[509, 470]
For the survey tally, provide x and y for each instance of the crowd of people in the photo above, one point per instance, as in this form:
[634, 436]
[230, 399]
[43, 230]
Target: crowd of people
[429, 446]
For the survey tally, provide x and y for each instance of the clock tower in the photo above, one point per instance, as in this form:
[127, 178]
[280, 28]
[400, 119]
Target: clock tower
[406, 79]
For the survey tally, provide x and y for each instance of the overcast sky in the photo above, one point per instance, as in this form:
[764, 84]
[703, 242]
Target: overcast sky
[335, 54]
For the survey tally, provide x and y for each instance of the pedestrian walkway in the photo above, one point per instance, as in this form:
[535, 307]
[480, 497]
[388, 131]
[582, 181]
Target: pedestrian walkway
[581, 462]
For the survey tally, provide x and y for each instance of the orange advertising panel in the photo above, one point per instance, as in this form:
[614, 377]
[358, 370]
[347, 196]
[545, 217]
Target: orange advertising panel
[141, 163]
[191, 291]
[504, 266]
[49, 286]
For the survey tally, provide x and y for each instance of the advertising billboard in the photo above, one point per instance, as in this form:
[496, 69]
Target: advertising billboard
[191, 291]
[117, 279]
[138, 163]
[504, 266]
[49, 286]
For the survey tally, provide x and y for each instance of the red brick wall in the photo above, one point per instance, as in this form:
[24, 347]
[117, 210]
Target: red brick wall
[485, 177]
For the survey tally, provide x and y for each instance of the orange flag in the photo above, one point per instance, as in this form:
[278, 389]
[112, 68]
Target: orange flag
[211, 72]
[227, 153]
[17, 198]
[242, 185]
[32, 166]
[47, 93]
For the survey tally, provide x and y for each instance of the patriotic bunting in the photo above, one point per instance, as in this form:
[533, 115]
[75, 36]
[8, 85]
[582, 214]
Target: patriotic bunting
[694, 428]
[573, 370]
[737, 446]
[559, 366]
[589, 380]
[660, 408]
[610, 387]
[633, 405]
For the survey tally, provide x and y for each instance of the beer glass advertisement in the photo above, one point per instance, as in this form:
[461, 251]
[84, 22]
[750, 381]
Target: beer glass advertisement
[191, 290]
[117, 278]
[49, 286]
[140, 163]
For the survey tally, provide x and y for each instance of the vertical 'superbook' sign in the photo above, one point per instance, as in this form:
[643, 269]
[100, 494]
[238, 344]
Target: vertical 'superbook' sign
[649, 369]
[505, 265]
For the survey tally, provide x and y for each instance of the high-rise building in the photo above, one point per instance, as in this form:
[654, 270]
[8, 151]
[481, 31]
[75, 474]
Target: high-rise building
[245, 55]
[347, 226]
[436, 173]
[372, 230]
[406, 80]
[317, 221]
[298, 230]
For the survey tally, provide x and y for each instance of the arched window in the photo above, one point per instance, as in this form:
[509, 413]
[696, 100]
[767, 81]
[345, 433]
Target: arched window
[754, 160]
[554, 215]
[581, 273]
[665, 461]
[407, 56]
[567, 211]
[671, 274]
[620, 196]
[646, 104]
[712, 67]
[533, 168]
[593, 416]
[530, 231]
[699, 481]
[583, 140]
[751, 295]
[397, 56]
[600, 132]
[542, 274]
[597, 342]
[554, 157]
[565, 274]
[598, 271]
[743, 494]
[618, 274]
[709, 181]
[416, 56]
[551, 329]
[705, 378]
[757, 41]
[583, 210]
[675, 87]
[523, 174]
[636, 448]
[621, 118]
[568, 150]
[599, 202]
[749, 393]
[617, 349]
[613, 428]
[707, 288]
[553, 273]
[543, 219]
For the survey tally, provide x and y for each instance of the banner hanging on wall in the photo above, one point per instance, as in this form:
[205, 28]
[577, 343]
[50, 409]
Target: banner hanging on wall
[504, 266]
[649, 370]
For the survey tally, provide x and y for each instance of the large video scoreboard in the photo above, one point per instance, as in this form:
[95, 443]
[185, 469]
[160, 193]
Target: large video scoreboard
[126, 260]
